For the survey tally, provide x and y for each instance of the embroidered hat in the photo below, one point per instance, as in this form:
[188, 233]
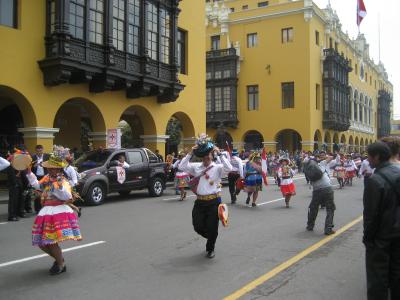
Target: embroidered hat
[58, 159]
[205, 145]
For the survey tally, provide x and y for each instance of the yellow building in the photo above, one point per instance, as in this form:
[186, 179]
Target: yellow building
[395, 128]
[72, 69]
[282, 74]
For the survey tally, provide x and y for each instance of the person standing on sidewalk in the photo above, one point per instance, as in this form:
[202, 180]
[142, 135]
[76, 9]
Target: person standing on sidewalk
[322, 191]
[382, 225]
[236, 173]
[207, 175]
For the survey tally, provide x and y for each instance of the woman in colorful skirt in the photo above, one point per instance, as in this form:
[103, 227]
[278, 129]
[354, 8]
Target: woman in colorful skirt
[181, 178]
[340, 173]
[56, 221]
[254, 177]
[287, 186]
[351, 169]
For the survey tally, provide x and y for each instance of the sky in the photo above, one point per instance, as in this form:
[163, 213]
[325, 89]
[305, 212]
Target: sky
[388, 10]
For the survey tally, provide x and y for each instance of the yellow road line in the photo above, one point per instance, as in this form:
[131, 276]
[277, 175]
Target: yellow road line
[267, 276]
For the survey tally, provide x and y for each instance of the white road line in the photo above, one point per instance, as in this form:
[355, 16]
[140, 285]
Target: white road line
[272, 201]
[176, 198]
[3, 223]
[13, 262]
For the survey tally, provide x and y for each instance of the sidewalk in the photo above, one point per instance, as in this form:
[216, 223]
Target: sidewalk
[3, 196]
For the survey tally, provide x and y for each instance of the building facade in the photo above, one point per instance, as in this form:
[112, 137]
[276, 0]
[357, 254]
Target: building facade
[395, 128]
[72, 69]
[300, 81]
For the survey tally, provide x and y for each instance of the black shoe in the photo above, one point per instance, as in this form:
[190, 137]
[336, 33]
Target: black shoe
[22, 215]
[56, 269]
[210, 254]
[322, 207]
[253, 204]
[329, 232]
[233, 201]
[248, 200]
[28, 210]
[79, 212]
[13, 219]
[309, 228]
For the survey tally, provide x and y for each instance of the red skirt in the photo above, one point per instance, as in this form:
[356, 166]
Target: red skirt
[289, 189]
[350, 174]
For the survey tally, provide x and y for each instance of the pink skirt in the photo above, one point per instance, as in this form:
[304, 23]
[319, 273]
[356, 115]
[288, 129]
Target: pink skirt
[288, 189]
[55, 224]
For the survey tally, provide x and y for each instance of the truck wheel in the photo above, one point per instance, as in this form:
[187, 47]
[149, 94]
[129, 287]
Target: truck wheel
[156, 187]
[96, 194]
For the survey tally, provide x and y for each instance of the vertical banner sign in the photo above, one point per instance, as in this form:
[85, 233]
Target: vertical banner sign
[114, 138]
[121, 175]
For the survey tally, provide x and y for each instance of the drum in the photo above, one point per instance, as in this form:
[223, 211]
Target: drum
[21, 162]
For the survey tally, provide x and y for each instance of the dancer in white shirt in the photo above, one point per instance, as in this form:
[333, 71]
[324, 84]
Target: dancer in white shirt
[207, 175]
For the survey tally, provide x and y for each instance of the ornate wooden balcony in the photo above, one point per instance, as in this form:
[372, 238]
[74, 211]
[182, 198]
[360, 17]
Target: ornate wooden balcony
[336, 99]
[222, 119]
[102, 66]
[384, 113]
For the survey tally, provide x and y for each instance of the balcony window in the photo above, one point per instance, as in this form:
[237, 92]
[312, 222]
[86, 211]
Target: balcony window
[317, 38]
[227, 73]
[252, 97]
[96, 12]
[262, 4]
[218, 99]
[227, 98]
[152, 31]
[77, 18]
[181, 48]
[133, 26]
[8, 13]
[218, 75]
[165, 27]
[119, 24]
[287, 35]
[287, 95]
[208, 100]
[208, 76]
[52, 16]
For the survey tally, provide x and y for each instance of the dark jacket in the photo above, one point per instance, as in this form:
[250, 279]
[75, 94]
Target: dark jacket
[380, 204]
[34, 158]
[16, 178]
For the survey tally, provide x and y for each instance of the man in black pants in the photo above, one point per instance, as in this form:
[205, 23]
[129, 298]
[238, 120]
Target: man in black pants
[382, 225]
[208, 174]
[236, 173]
[16, 200]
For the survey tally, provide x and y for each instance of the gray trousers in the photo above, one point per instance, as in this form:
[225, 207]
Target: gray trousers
[325, 197]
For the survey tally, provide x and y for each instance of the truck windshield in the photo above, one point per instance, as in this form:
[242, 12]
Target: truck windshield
[93, 159]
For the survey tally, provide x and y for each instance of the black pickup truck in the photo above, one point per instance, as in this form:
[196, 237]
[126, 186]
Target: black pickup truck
[98, 173]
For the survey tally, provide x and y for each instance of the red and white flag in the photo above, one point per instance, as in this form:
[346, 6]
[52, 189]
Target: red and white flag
[361, 11]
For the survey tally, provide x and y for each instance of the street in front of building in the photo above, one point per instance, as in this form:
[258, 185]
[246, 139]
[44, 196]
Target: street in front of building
[137, 247]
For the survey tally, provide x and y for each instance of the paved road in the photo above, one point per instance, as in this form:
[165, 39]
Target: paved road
[152, 252]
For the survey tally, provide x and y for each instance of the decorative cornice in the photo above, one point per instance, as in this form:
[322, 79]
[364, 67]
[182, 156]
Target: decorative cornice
[38, 132]
[270, 143]
[155, 138]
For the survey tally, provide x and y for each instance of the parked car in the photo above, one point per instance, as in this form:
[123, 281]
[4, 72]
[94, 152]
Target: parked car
[98, 170]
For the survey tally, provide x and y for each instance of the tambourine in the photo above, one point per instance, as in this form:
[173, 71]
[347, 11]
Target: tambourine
[223, 214]
[21, 162]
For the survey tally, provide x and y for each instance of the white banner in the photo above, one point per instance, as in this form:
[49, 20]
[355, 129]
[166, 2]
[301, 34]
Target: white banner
[121, 175]
[114, 138]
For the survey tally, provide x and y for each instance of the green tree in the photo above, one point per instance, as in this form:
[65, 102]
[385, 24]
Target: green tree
[174, 128]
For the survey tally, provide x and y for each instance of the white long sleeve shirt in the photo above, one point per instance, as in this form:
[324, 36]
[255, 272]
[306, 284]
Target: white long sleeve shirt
[237, 165]
[61, 194]
[4, 164]
[366, 169]
[72, 175]
[210, 185]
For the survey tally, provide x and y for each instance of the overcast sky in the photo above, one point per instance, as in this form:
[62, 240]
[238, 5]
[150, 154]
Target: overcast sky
[389, 28]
